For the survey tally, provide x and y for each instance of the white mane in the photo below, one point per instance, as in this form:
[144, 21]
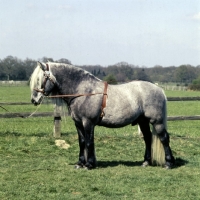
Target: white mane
[36, 78]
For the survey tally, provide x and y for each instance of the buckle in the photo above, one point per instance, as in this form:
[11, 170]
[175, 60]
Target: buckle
[47, 73]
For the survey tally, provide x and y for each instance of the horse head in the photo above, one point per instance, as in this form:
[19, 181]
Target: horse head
[42, 83]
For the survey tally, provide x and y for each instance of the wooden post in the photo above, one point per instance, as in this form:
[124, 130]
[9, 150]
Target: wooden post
[57, 120]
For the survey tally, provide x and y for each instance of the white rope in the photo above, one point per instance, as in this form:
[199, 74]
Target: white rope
[35, 110]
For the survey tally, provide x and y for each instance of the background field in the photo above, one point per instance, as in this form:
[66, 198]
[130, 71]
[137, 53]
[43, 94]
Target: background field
[33, 167]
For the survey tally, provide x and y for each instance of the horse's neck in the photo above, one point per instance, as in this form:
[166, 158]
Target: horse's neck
[72, 82]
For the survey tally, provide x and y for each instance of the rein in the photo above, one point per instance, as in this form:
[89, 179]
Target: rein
[75, 95]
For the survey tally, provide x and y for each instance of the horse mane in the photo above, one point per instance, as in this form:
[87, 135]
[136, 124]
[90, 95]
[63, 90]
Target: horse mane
[36, 77]
[73, 70]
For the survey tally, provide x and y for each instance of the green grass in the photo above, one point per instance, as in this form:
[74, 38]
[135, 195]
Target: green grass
[182, 93]
[21, 94]
[32, 167]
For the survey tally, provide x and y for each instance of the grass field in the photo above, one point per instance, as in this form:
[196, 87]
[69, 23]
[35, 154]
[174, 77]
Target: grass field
[33, 167]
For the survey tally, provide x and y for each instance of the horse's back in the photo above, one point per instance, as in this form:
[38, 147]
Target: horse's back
[136, 93]
[126, 102]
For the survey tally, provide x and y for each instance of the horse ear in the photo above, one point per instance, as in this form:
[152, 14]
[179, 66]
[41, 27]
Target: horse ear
[42, 65]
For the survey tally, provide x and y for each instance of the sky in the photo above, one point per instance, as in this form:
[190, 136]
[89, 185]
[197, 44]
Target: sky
[104, 32]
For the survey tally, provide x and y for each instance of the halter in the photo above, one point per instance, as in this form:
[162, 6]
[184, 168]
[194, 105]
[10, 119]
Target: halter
[47, 77]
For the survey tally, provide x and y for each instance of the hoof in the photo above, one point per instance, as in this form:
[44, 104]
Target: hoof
[145, 164]
[87, 168]
[169, 165]
[78, 166]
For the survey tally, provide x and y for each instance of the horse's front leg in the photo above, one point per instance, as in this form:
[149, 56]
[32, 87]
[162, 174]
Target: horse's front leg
[87, 156]
[81, 138]
[89, 145]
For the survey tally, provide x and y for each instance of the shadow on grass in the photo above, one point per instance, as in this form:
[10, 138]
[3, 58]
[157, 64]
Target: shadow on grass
[104, 164]
[180, 162]
[69, 133]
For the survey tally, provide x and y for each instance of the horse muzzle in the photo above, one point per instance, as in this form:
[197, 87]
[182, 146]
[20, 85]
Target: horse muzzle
[36, 102]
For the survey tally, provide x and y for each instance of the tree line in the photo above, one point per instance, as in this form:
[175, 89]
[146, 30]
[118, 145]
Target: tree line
[13, 68]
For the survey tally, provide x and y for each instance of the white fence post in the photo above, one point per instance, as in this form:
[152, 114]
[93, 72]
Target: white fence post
[57, 120]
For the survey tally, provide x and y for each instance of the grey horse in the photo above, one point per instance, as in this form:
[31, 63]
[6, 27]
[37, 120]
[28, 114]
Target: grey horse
[92, 102]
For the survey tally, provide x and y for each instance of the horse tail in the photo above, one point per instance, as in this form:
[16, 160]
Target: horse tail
[157, 150]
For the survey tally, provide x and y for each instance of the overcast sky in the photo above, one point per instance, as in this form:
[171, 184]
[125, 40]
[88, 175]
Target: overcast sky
[105, 32]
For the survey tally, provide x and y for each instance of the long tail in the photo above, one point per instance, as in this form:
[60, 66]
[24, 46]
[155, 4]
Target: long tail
[157, 150]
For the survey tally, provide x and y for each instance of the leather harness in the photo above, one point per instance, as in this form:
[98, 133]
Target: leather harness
[103, 105]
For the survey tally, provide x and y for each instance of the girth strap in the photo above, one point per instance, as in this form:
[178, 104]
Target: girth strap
[104, 99]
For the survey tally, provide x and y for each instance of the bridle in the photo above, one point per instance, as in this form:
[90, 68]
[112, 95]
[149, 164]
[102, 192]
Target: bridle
[47, 76]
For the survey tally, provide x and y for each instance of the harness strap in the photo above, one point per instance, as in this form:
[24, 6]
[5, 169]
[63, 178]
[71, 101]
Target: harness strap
[70, 95]
[47, 67]
[104, 99]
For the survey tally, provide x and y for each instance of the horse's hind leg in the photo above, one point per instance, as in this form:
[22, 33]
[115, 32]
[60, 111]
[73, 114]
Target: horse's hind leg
[145, 129]
[164, 138]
